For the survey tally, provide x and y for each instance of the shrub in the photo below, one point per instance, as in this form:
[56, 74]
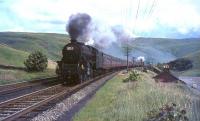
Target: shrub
[133, 76]
[167, 113]
[181, 64]
[36, 61]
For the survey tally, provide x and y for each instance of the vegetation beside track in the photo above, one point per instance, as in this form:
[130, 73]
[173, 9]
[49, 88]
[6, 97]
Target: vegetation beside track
[14, 76]
[131, 101]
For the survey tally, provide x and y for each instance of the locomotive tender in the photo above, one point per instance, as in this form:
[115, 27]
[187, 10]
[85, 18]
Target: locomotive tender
[81, 62]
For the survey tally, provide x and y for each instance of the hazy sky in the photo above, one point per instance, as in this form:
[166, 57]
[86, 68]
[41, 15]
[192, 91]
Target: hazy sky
[155, 18]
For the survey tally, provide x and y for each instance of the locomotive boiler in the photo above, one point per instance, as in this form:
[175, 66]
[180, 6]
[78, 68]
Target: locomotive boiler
[81, 62]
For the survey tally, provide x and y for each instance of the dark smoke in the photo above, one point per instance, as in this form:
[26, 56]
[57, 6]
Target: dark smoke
[81, 27]
[78, 27]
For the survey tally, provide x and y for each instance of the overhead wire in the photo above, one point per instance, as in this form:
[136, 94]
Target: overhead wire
[152, 6]
[145, 9]
[149, 11]
[127, 13]
[136, 17]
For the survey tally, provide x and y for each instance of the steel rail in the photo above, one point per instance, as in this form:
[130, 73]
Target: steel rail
[8, 88]
[17, 107]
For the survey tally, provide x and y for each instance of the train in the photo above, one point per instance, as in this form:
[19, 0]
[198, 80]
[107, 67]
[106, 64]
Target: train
[82, 62]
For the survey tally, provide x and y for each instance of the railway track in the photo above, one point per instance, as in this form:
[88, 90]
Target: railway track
[9, 88]
[18, 107]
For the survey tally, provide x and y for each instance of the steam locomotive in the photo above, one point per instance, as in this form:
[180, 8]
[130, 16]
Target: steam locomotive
[81, 62]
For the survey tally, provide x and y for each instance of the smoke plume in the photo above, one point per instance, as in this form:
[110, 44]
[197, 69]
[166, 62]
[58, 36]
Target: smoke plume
[79, 27]
[121, 34]
[140, 58]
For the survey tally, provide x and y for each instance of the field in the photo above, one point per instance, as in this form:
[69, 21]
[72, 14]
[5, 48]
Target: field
[16, 46]
[119, 101]
[10, 56]
[49, 43]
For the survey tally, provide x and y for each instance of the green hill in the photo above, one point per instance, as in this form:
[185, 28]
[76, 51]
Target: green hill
[195, 57]
[156, 49]
[10, 56]
[16, 46]
[49, 43]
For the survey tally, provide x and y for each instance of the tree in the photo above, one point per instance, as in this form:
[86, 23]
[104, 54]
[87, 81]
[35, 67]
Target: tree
[36, 61]
[127, 48]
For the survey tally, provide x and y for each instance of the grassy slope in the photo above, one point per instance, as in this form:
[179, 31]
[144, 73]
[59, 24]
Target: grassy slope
[10, 56]
[118, 101]
[195, 57]
[195, 71]
[15, 47]
[49, 43]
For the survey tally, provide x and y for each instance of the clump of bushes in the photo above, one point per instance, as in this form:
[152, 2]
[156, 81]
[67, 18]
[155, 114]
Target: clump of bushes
[167, 113]
[36, 61]
[133, 76]
[181, 64]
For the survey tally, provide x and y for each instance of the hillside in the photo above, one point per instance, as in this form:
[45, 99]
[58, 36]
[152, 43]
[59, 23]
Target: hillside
[195, 71]
[195, 57]
[154, 49]
[10, 56]
[159, 49]
[49, 43]
[166, 49]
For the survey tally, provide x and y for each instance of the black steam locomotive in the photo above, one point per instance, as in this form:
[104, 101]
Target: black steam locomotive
[81, 62]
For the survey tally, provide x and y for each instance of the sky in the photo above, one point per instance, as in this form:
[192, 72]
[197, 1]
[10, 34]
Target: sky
[142, 18]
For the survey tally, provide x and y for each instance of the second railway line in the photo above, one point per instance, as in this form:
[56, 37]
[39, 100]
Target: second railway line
[16, 108]
[17, 89]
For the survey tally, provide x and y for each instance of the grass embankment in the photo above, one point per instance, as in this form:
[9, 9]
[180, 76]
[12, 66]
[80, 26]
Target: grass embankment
[11, 56]
[50, 44]
[14, 76]
[119, 101]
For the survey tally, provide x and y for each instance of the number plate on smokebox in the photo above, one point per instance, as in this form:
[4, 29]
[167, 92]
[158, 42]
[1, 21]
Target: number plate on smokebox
[70, 48]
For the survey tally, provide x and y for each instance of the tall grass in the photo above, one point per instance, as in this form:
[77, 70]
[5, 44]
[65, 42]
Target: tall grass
[118, 101]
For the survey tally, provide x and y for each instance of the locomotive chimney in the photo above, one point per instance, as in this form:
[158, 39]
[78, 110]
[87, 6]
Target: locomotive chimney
[73, 40]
